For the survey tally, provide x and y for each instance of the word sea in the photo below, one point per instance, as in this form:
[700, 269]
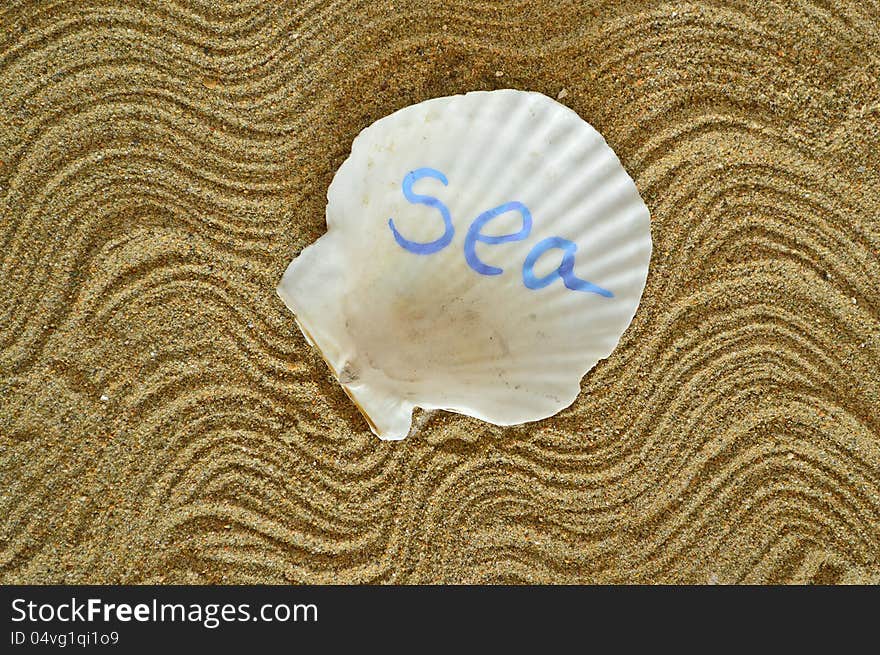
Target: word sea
[565, 270]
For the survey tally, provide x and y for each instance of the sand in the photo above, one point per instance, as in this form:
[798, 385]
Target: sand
[163, 420]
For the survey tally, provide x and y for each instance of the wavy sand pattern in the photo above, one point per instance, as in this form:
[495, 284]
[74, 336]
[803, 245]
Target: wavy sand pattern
[163, 161]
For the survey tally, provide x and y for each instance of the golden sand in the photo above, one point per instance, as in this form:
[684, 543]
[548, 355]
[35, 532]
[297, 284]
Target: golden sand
[163, 420]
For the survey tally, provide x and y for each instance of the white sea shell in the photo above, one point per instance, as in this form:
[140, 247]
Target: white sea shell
[446, 329]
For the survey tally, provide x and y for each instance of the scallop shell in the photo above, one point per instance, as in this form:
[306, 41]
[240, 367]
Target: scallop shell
[483, 252]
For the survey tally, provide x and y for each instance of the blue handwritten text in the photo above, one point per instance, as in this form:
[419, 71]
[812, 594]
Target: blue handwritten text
[565, 270]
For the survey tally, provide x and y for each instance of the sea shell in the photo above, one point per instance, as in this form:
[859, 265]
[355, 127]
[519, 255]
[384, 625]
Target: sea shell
[483, 252]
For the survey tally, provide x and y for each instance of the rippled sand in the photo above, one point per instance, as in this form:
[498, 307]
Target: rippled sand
[163, 161]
